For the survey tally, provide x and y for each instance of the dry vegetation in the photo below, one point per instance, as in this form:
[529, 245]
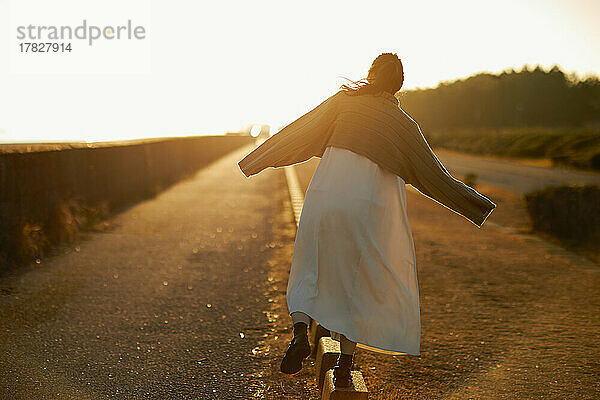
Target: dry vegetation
[570, 214]
[49, 196]
[564, 147]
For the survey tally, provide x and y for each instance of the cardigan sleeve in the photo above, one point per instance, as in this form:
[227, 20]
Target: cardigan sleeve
[298, 141]
[432, 179]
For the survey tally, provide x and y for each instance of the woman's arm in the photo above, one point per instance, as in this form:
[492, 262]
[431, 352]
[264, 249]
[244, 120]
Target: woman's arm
[298, 141]
[431, 178]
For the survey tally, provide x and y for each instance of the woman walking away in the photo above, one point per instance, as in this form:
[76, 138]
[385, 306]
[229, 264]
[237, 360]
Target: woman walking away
[354, 268]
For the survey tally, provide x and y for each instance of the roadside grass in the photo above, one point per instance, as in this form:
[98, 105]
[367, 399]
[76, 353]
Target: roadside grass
[577, 148]
[570, 214]
[52, 193]
[470, 179]
[65, 223]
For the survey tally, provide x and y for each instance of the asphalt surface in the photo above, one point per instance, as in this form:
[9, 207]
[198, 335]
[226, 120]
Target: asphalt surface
[510, 175]
[184, 298]
[504, 313]
[169, 303]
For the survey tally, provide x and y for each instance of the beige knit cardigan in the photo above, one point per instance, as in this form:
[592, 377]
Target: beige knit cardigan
[376, 127]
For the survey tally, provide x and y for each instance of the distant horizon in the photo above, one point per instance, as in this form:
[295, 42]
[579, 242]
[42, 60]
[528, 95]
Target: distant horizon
[208, 68]
[578, 75]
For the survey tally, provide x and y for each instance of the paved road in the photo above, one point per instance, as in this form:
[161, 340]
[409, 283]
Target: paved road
[154, 308]
[505, 315]
[512, 176]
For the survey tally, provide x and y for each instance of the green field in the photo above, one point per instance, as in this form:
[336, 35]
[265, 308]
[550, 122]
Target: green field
[566, 147]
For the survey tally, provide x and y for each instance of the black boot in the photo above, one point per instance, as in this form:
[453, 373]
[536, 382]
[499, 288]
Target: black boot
[298, 350]
[342, 377]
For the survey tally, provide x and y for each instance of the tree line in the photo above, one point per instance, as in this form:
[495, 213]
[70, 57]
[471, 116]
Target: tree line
[525, 98]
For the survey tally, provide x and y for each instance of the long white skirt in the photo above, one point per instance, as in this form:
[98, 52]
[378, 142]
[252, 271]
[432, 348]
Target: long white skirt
[354, 267]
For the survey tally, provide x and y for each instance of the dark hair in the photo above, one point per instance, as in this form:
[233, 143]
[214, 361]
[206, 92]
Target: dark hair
[386, 74]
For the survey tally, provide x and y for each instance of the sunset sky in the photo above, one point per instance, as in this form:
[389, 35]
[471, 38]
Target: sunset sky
[209, 67]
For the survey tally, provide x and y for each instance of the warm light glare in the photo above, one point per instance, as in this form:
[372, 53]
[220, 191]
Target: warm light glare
[255, 131]
[221, 66]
